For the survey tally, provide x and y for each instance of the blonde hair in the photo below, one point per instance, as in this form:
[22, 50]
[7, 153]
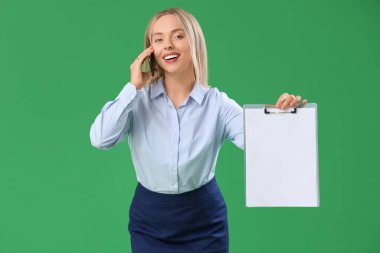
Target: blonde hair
[196, 41]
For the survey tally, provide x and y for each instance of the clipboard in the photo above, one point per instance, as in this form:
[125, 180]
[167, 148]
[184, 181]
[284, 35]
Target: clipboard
[281, 156]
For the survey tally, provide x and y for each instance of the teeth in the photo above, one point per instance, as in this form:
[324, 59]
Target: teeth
[171, 56]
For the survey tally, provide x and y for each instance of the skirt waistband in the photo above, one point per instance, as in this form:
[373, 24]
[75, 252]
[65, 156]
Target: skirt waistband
[203, 192]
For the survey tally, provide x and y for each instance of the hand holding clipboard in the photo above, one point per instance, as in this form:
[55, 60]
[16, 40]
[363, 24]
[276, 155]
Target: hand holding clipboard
[286, 100]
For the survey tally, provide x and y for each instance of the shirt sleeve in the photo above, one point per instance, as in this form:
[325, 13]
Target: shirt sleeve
[115, 119]
[232, 113]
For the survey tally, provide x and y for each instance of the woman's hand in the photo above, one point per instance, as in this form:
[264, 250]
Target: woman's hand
[286, 100]
[139, 78]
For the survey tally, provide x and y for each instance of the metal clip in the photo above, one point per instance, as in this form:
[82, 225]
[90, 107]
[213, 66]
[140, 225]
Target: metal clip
[278, 110]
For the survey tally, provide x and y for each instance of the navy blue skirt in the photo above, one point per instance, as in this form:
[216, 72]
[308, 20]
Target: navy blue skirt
[194, 221]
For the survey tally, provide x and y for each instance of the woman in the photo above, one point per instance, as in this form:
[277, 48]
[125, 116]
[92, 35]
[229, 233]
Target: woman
[176, 124]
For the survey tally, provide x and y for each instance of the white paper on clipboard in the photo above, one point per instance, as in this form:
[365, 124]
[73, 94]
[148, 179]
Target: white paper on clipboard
[281, 156]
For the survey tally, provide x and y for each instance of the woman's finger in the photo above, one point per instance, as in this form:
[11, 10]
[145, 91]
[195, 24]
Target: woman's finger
[287, 101]
[281, 99]
[301, 104]
[144, 54]
[295, 101]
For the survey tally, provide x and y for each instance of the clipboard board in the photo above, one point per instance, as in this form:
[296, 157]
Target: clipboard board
[281, 156]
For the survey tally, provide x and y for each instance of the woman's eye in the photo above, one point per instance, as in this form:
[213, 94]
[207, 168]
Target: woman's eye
[179, 36]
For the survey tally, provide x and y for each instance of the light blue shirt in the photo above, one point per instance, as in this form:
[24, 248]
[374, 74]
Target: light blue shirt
[173, 150]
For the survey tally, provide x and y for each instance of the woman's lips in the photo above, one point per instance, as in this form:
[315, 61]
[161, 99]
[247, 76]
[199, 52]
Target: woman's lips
[172, 60]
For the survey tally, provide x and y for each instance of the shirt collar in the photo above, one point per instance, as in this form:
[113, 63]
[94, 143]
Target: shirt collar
[197, 92]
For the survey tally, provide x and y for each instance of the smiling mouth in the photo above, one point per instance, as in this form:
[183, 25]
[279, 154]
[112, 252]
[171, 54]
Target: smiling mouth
[170, 60]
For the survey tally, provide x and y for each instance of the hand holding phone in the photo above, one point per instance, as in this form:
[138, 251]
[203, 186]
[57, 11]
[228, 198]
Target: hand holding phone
[139, 78]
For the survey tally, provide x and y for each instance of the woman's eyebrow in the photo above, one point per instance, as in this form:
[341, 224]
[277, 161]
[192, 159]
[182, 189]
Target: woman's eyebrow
[174, 30]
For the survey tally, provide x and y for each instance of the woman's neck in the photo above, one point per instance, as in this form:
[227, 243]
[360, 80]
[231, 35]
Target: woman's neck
[178, 86]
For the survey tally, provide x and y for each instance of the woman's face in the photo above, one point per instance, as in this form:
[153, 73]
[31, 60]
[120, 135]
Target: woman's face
[169, 38]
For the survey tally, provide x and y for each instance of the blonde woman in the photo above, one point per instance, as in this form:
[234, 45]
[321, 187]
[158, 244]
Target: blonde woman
[176, 124]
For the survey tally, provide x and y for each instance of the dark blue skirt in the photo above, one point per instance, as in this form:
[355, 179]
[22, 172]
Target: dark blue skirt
[194, 221]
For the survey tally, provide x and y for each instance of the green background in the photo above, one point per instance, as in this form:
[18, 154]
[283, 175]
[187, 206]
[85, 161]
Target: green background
[61, 61]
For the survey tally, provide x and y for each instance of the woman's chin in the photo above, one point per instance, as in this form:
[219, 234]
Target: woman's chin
[172, 70]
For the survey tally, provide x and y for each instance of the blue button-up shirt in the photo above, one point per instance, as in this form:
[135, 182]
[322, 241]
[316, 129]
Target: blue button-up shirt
[173, 150]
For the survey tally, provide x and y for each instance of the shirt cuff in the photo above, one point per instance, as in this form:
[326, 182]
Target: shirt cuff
[128, 92]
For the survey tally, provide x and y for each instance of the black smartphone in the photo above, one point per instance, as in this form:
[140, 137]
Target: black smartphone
[151, 63]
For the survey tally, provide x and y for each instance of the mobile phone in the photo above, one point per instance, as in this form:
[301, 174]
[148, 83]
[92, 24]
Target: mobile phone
[151, 63]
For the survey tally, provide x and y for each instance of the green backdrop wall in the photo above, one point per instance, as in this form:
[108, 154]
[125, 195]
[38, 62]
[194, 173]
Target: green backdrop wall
[60, 61]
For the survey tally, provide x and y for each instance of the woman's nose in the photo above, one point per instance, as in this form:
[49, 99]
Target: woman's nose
[168, 45]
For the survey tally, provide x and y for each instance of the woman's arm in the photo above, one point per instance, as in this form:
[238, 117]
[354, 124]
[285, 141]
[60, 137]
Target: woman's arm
[114, 120]
[232, 114]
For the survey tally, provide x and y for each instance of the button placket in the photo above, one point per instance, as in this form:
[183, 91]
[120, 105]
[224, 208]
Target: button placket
[175, 142]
